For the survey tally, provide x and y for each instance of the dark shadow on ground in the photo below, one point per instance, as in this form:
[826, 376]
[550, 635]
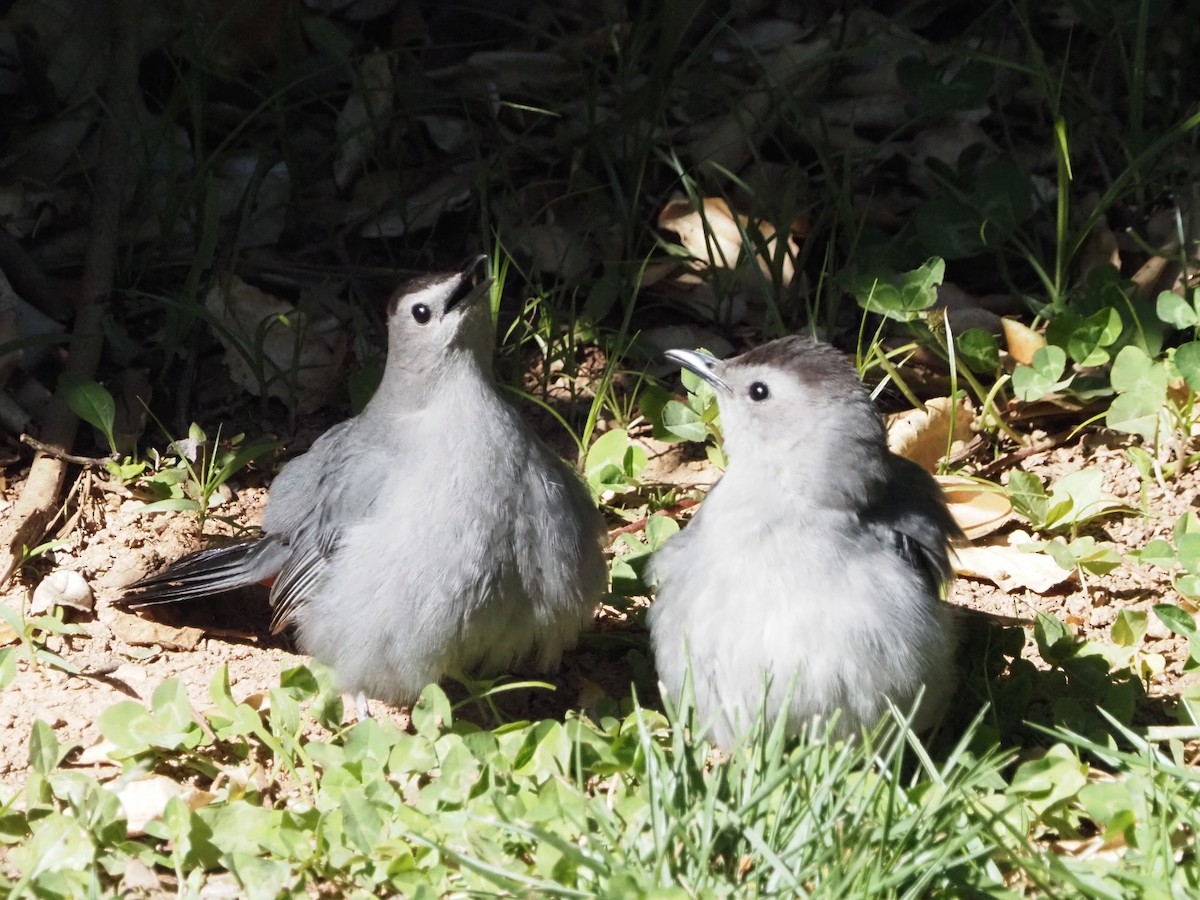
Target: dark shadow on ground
[598, 678]
[241, 616]
[1018, 698]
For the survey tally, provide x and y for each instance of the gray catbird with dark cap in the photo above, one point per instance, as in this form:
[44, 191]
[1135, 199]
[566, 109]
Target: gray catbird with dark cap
[815, 567]
[433, 533]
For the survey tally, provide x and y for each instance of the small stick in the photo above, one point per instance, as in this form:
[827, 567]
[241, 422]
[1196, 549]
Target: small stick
[640, 524]
[58, 453]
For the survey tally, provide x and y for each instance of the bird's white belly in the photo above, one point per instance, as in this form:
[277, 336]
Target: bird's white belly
[801, 621]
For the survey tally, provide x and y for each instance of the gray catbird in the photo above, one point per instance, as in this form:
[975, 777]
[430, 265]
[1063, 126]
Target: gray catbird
[814, 566]
[433, 533]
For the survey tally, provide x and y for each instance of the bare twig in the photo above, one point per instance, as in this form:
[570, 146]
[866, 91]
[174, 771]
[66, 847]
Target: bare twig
[39, 498]
[50, 450]
[1009, 459]
[640, 524]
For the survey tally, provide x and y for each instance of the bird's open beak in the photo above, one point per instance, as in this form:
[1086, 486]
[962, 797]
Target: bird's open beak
[473, 284]
[701, 363]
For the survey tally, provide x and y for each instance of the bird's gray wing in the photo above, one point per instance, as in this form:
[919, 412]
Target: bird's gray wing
[912, 509]
[312, 551]
[344, 479]
[304, 485]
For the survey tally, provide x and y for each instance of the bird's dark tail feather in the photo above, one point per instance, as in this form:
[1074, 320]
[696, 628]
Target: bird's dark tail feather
[210, 571]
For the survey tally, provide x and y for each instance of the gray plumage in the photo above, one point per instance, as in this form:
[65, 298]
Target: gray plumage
[816, 565]
[433, 533]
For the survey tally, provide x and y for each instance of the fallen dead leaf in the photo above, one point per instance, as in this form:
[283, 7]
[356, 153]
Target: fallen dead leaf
[554, 248]
[296, 358]
[979, 509]
[1022, 341]
[98, 753]
[364, 116]
[965, 310]
[144, 799]
[690, 291]
[924, 435]
[1001, 561]
[590, 693]
[687, 337]
[261, 199]
[143, 632]
[409, 211]
[715, 236]
[139, 879]
[509, 71]
[1101, 250]
[259, 701]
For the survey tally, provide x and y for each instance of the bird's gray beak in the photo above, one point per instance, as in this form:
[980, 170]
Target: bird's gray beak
[473, 283]
[701, 363]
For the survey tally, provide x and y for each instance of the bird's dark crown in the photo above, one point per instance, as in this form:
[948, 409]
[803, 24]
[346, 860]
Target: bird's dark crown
[416, 285]
[818, 366]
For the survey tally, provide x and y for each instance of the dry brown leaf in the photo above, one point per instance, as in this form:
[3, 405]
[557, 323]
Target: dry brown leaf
[364, 117]
[696, 294]
[508, 71]
[99, 753]
[590, 693]
[68, 43]
[144, 633]
[554, 248]
[409, 211]
[258, 701]
[945, 141]
[144, 799]
[1100, 251]
[9, 332]
[1157, 274]
[1022, 341]
[965, 310]
[713, 235]
[923, 435]
[728, 141]
[978, 509]
[1049, 407]
[450, 134]
[656, 272]
[253, 35]
[260, 199]
[1164, 271]
[21, 323]
[864, 113]
[1001, 561]
[140, 880]
[686, 337]
[710, 234]
[299, 357]
[1111, 848]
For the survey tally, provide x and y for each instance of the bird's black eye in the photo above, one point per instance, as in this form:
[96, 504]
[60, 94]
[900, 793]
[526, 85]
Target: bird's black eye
[759, 391]
[421, 313]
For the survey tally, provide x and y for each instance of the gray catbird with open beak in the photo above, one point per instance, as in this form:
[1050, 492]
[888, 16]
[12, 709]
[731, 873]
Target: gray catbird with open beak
[815, 566]
[433, 533]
